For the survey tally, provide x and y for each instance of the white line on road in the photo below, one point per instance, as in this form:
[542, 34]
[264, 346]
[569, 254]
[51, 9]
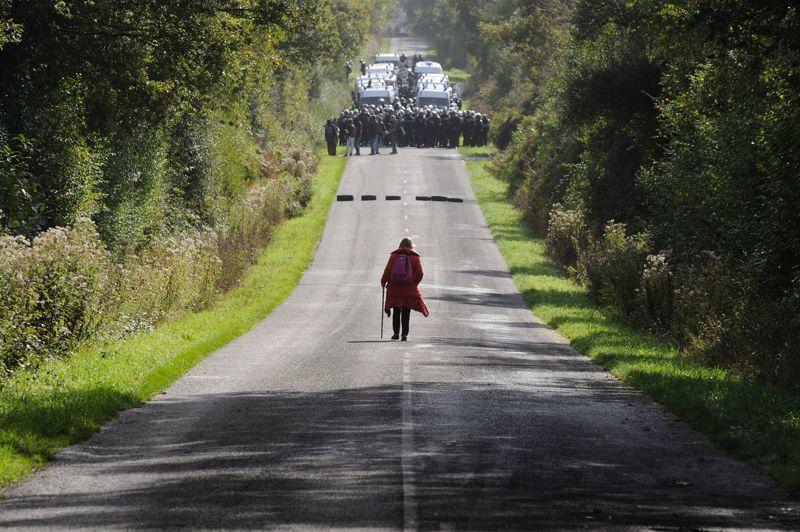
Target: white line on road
[407, 453]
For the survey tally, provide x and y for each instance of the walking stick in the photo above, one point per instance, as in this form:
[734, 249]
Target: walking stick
[383, 293]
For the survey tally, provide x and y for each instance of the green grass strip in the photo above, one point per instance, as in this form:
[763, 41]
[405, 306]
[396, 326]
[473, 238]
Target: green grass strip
[755, 423]
[386, 45]
[67, 400]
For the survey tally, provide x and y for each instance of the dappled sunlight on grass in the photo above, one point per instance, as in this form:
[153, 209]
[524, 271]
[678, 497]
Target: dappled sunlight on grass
[756, 423]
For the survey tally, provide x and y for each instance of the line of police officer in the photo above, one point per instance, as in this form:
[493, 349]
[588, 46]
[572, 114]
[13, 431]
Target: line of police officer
[403, 124]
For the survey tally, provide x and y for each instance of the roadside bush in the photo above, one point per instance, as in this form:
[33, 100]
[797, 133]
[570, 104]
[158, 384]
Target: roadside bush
[566, 236]
[723, 321]
[63, 288]
[248, 228]
[703, 299]
[171, 275]
[503, 128]
[656, 295]
[611, 268]
[299, 166]
[51, 292]
[763, 340]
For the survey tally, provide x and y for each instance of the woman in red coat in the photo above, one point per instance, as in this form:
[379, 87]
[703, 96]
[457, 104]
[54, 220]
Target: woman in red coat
[402, 294]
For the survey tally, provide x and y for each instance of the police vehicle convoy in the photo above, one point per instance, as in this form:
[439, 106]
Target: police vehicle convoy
[402, 101]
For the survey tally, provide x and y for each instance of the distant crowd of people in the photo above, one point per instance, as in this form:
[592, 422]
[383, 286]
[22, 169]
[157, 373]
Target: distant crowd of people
[403, 124]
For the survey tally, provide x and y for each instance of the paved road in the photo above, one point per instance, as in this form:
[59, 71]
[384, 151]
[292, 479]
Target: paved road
[484, 419]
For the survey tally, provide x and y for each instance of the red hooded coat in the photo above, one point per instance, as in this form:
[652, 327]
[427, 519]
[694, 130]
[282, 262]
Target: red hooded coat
[404, 295]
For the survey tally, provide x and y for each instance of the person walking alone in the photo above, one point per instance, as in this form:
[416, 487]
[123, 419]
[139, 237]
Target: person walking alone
[401, 278]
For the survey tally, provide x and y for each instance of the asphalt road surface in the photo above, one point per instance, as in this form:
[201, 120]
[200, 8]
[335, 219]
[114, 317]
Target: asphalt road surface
[485, 419]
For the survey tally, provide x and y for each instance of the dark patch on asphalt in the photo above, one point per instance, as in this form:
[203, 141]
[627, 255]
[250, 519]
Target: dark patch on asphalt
[368, 197]
[423, 198]
[392, 198]
[344, 197]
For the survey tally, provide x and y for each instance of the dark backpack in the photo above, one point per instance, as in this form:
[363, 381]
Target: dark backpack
[401, 273]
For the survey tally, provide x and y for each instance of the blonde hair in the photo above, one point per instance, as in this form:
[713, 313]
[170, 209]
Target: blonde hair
[406, 243]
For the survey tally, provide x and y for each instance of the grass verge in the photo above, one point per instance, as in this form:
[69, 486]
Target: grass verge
[386, 45]
[755, 423]
[67, 400]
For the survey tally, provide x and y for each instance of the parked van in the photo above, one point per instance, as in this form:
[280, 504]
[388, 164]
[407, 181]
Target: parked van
[378, 96]
[434, 87]
[394, 59]
[428, 67]
[373, 81]
[380, 68]
[436, 97]
[433, 78]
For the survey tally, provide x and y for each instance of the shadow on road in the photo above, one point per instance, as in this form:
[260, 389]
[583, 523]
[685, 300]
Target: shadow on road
[499, 458]
[491, 299]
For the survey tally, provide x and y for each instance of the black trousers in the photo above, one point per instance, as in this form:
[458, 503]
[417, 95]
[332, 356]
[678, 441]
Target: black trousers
[331, 146]
[397, 314]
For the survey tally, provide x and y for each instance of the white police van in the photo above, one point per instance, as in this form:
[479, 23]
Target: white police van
[393, 59]
[428, 67]
[377, 96]
[437, 96]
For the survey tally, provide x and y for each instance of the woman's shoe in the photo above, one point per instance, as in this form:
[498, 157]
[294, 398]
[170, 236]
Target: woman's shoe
[404, 339]
[396, 337]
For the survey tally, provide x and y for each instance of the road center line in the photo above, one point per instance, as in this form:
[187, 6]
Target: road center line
[407, 453]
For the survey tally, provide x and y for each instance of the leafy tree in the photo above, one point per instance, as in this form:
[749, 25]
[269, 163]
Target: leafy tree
[118, 101]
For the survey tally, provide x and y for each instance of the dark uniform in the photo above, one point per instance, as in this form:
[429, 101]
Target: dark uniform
[342, 124]
[483, 131]
[359, 125]
[444, 130]
[455, 130]
[469, 129]
[419, 129]
[394, 132]
[433, 129]
[408, 129]
[331, 135]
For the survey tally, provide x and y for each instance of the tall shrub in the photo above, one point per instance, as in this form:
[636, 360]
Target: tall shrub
[51, 294]
[611, 268]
